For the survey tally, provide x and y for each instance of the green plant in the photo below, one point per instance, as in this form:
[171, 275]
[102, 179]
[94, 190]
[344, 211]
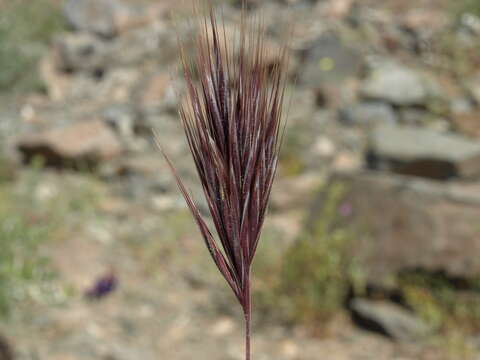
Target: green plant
[467, 6]
[26, 27]
[6, 169]
[449, 306]
[291, 163]
[22, 231]
[174, 228]
[36, 210]
[310, 281]
[318, 272]
[441, 301]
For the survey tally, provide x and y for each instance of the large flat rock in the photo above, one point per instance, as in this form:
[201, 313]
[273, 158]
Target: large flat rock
[423, 152]
[106, 18]
[398, 85]
[79, 144]
[328, 60]
[406, 223]
[389, 319]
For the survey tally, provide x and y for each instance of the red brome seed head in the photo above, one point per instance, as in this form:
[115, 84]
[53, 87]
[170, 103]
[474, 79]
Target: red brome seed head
[232, 119]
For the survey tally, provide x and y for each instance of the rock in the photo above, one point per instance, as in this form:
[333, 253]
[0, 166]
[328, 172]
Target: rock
[10, 123]
[413, 116]
[324, 147]
[461, 105]
[6, 352]
[128, 122]
[439, 124]
[467, 124]
[92, 15]
[97, 89]
[424, 21]
[423, 152]
[143, 179]
[368, 113]
[154, 42]
[128, 18]
[471, 23]
[272, 49]
[106, 18]
[293, 193]
[77, 145]
[389, 319]
[146, 165]
[84, 51]
[272, 56]
[410, 223]
[249, 4]
[155, 89]
[169, 9]
[81, 51]
[327, 60]
[122, 118]
[158, 93]
[396, 84]
[7, 169]
[222, 327]
[55, 80]
[473, 87]
[347, 161]
[339, 8]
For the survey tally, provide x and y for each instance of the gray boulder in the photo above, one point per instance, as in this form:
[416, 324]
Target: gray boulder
[396, 84]
[328, 60]
[123, 118]
[389, 319]
[94, 16]
[414, 116]
[368, 113]
[86, 52]
[473, 88]
[409, 223]
[82, 144]
[423, 152]
[81, 51]
[105, 18]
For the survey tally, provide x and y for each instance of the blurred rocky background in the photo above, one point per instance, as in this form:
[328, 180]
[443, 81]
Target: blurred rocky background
[371, 249]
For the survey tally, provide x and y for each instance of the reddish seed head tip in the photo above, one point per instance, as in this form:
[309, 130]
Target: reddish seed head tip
[232, 119]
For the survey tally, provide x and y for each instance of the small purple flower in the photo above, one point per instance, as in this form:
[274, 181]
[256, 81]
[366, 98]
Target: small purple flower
[346, 209]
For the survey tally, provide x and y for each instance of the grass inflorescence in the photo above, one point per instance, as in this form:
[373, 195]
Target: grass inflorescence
[232, 119]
